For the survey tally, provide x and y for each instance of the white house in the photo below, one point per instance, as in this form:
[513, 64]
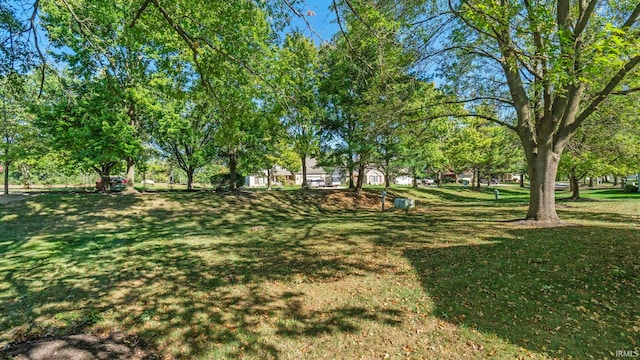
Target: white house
[373, 176]
[256, 180]
[404, 180]
[314, 172]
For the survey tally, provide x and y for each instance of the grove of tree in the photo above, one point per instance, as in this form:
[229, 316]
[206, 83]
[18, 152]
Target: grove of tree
[410, 87]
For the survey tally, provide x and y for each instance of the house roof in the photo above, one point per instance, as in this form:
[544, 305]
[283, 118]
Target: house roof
[372, 170]
[312, 167]
[279, 171]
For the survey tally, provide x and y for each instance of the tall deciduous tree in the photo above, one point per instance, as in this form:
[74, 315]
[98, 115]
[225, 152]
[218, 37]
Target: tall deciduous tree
[367, 82]
[424, 136]
[301, 76]
[553, 63]
[227, 43]
[94, 38]
[16, 61]
[84, 120]
[185, 128]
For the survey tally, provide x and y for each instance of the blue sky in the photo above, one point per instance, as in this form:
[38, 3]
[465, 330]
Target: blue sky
[320, 17]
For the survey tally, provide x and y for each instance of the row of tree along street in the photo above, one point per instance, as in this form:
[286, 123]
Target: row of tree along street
[536, 87]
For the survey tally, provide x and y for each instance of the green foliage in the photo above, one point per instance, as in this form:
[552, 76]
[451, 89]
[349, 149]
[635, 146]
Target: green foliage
[479, 145]
[367, 86]
[89, 124]
[609, 143]
[548, 65]
[222, 181]
[300, 73]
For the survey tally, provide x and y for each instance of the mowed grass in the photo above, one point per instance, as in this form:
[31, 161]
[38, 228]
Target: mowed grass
[319, 274]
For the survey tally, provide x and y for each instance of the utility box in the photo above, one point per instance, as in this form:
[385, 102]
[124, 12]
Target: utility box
[404, 204]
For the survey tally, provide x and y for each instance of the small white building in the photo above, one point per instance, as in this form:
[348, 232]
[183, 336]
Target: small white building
[256, 180]
[404, 180]
[373, 176]
[314, 172]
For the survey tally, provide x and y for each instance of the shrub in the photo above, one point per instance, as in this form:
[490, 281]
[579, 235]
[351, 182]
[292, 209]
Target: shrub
[222, 181]
[630, 188]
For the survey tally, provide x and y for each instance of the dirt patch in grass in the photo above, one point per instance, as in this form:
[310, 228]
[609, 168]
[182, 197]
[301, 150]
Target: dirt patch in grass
[80, 347]
[351, 200]
[538, 224]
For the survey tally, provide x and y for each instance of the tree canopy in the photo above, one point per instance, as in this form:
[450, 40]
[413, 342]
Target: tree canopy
[409, 87]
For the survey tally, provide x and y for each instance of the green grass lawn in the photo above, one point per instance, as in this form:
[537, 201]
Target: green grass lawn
[320, 274]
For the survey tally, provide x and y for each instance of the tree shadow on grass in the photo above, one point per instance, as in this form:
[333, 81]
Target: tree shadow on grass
[174, 296]
[569, 292]
[604, 217]
[78, 268]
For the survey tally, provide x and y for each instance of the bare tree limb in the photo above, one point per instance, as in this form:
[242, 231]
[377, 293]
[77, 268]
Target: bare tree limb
[34, 29]
[470, 115]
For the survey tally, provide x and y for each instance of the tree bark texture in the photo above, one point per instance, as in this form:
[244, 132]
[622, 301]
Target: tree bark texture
[268, 179]
[6, 177]
[131, 171]
[233, 165]
[304, 172]
[360, 181]
[543, 168]
[190, 172]
[575, 185]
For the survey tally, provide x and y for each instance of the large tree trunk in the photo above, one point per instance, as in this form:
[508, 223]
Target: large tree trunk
[591, 181]
[615, 180]
[6, 177]
[304, 172]
[233, 165]
[268, 179]
[415, 177]
[521, 180]
[543, 168]
[439, 178]
[575, 185]
[131, 172]
[387, 181]
[358, 188]
[477, 172]
[190, 171]
[104, 171]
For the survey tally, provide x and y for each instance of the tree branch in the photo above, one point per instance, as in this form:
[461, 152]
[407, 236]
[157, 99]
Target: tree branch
[34, 29]
[298, 14]
[602, 95]
[585, 15]
[344, 34]
[139, 13]
[633, 17]
[458, 115]
[626, 92]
